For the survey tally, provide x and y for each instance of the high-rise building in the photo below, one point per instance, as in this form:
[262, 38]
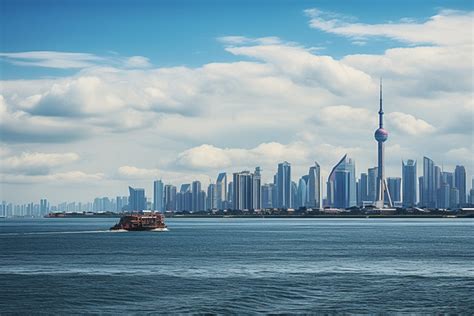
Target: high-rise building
[341, 185]
[363, 188]
[442, 196]
[184, 199]
[267, 192]
[394, 188]
[294, 192]
[460, 183]
[170, 197]
[211, 196]
[158, 195]
[230, 195]
[429, 183]
[301, 196]
[454, 198]
[43, 207]
[284, 185]
[372, 184]
[221, 191]
[409, 183]
[136, 199]
[257, 189]
[381, 136]
[196, 196]
[242, 190]
[314, 197]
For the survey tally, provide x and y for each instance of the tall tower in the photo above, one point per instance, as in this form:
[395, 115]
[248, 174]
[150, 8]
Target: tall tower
[381, 136]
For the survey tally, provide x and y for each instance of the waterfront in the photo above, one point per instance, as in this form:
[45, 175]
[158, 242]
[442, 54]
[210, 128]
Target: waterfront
[231, 265]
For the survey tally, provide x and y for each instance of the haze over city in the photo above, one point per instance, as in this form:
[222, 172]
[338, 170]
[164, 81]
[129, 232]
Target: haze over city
[89, 108]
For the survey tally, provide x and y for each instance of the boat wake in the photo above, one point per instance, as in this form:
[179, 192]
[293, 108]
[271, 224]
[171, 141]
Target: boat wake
[56, 233]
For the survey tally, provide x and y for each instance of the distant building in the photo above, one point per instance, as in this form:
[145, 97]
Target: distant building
[169, 198]
[44, 209]
[196, 196]
[372, 184]
[314, 187]
[409, 183]
[363, 188]
[230, 195]
[211, 196]
[267, 192]
[301, 195]
[221, 191]
[257, 189]
[341, 185]
[394, 185]
[460, 183]
[294, 192]
[454, 201]
[242, 190]
[184, 199]
[158, 195]
[284, 185]
[136, 199]
[429, 183]
[443, 196]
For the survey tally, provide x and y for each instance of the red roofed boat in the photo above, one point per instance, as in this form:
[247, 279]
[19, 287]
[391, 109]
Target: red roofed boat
[146, 221]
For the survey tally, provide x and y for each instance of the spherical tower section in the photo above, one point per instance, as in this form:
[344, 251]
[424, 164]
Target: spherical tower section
[381, 135]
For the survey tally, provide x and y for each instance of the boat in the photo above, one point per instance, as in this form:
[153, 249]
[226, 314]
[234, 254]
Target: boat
[146, 221]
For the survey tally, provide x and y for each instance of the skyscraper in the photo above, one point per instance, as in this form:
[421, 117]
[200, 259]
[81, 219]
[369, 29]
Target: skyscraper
[363, 187]
[267, 192]
[314, 186]
[294, 192]
[284, 185]
[43, 207]
[257, 189]
[341, 185]
[136, 199]
[170, 197]
[221, 191]
[372, 184]
[429, 186]
[409, 183]
[211, 196]
[301, 199]
[242, 190]
[460, 183]
[158, 195]
[394, 187]
[381, 136]
[184, 198]
[196, 196]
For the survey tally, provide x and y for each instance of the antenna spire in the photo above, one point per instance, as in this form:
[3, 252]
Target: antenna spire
[381, 108]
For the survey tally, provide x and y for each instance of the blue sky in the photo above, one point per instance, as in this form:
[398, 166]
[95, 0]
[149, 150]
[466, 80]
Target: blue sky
[99, 95]
[184, 32]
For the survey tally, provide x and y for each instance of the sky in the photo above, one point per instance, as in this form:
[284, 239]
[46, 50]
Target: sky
[99, 95]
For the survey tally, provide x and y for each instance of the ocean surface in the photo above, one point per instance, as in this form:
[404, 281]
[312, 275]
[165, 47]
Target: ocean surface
[238, 266]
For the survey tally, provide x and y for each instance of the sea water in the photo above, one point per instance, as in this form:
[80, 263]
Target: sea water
[238, 266]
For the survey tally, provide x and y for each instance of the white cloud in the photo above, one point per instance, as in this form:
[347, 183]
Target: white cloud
[243, 40]
[409, 124]
[36, 163]
[138, 62]
[448, 27]
[60, 178]
[52, 59]
[69, 60]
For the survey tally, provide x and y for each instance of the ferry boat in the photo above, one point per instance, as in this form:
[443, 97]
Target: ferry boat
[146, 221]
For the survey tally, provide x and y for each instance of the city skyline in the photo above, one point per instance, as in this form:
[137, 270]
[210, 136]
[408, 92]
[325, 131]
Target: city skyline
[98, 117]
[437, 189]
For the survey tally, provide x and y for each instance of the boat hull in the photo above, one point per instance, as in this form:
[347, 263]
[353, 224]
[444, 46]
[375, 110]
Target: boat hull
[141, 222]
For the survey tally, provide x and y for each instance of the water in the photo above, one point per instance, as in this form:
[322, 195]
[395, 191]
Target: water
[240, 266]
